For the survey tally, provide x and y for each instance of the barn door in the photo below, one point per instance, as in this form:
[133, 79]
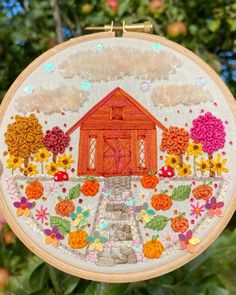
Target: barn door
[117, 154]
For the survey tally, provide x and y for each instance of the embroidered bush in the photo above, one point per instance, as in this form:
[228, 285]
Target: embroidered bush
[56, 141]
[210, 132]
[24, 137]
[175, 141]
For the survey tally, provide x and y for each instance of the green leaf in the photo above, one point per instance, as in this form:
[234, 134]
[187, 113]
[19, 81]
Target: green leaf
[90, 239]
[38, 278]
[158, 222]
[75, 192]
[181, 192]
[69, 284]
[214, 25]
[63, 225]
[150, 212]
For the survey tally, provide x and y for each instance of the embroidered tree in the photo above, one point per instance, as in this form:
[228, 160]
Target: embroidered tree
[210, 132]
[24, 137]
[175, 141]
[56, 141]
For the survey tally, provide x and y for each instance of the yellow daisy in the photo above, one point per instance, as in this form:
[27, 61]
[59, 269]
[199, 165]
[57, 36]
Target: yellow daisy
[185, 170]
[194, 149]
[202, 165]
[14, 162]
[218, 165]
[52, 168]
[65, 161]
[30, 170]
[42, 155]
[172, 161]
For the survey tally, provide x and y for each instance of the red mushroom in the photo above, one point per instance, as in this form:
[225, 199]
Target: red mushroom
[61, 176]
[166, 171]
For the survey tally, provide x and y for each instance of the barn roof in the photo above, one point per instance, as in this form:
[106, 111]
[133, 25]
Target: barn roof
[105, 99]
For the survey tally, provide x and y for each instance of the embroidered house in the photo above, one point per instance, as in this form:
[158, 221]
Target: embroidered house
[117, 137]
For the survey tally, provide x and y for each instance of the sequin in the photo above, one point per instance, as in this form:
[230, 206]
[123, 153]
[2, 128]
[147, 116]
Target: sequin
[200, 81]
[85, 85]
[145, 86]
[28, 89]
[156, 46]
[49, 68]
[99, 47]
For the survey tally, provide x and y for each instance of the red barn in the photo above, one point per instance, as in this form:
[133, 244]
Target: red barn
[117, 137]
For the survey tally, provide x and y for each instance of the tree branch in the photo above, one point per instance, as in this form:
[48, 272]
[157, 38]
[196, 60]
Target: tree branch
[57, 19]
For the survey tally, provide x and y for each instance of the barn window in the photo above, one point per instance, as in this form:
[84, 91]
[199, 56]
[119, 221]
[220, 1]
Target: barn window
[117, 113]
[141, 143]
[92, 152]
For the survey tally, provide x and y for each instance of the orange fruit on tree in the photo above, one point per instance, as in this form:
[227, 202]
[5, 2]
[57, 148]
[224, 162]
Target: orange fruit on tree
[153, 248]
[176, 29]
[34, 190]
[156, 6]
[202, 191]
[91, 187]
[9, 238]
[149, 180]
[161, 201]
[4, 276]
[77, 239]
[65, 208]
[180, 223]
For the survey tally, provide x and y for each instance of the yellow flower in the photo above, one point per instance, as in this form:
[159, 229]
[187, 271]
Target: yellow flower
[52, 168]
[22, 211]
[42, 155]
[194, 149]
[65, 161]
[172, 161]
[50, 240]
[185, 170]
[218, 165]
[14, 162]
[31, 170]
[202, 165]
[96, 245]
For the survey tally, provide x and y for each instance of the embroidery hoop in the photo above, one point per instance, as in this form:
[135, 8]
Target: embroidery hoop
[114, 277]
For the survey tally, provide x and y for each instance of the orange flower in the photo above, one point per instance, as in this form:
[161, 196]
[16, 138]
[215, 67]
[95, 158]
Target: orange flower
[77, 239]
[161, 202]
[202, 192]
[179, 224]
[64, 208]
[153, 248]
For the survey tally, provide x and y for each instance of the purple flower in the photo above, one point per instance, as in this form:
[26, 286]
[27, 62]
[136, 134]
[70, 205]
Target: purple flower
[23, 207]
[52, 236]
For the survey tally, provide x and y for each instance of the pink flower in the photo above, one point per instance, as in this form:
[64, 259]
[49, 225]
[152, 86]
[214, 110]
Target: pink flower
[187, 241]
[213, 207]
[210, 131]
[196, 210]
[42, 214]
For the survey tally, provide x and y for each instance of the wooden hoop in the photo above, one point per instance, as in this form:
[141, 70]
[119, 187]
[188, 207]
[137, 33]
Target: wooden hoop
[116, 277]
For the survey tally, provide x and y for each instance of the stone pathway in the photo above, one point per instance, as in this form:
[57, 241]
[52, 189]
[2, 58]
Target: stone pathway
[122, 227]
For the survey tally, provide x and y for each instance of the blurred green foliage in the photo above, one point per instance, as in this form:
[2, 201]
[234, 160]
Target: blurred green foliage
[27, 29]
[212, 273]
